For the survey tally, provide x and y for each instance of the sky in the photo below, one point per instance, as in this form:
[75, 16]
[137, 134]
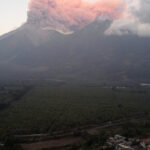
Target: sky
[13, 13]
[136, 19]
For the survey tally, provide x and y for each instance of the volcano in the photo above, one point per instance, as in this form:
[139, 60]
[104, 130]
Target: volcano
[86, 55]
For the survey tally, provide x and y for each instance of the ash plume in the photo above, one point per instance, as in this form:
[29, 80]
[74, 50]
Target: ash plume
[69, 15]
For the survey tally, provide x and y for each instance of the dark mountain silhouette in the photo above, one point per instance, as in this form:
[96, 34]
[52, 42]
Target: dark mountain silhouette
[87, 55]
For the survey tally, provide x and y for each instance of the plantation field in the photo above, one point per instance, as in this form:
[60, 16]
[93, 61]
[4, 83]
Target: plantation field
[48, 109]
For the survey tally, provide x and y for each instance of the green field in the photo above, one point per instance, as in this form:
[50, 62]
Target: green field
[47, 109]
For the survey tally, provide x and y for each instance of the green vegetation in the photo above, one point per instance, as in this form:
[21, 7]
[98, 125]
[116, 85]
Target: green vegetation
[9, 94]
[48, 109]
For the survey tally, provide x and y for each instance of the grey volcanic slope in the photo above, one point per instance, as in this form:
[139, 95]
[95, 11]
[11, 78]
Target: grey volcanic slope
[86, 55]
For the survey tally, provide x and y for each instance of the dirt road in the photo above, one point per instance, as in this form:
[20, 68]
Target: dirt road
[53, 143]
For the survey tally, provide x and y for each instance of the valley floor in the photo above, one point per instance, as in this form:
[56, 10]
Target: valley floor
[45, 116]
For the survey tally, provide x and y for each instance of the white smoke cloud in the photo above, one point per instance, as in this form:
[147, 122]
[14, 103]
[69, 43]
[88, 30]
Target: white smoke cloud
[136, 21]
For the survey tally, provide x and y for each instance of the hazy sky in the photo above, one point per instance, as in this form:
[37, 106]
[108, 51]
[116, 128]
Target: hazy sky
[12, 14]
[136, 18]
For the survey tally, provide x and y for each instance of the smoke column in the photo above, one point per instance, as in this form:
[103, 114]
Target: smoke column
[70, 15]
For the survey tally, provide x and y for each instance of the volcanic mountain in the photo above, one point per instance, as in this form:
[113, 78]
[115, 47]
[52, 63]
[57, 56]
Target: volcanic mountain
[86, 55]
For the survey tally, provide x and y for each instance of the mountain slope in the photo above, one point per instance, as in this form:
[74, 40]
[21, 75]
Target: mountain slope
[87, 55]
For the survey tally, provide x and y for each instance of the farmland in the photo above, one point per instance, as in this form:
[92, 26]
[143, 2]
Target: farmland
[47, 109]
